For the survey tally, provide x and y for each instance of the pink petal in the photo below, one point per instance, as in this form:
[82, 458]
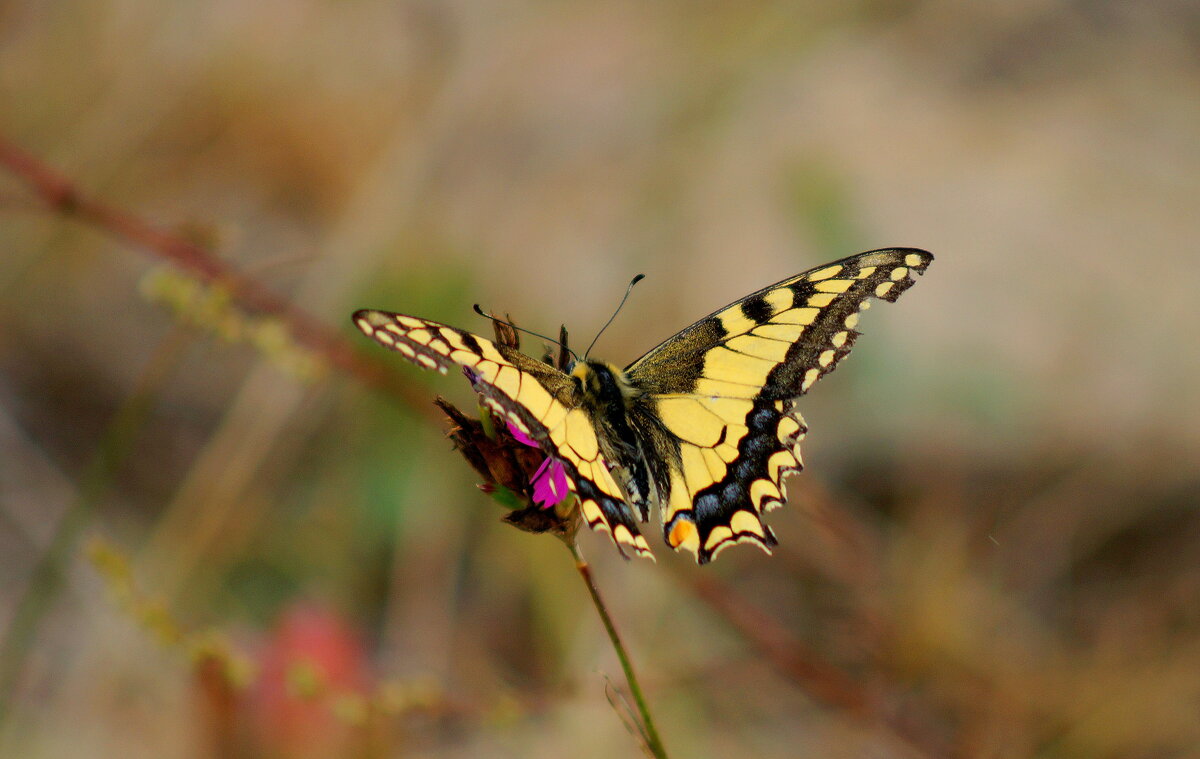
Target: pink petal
[550, 483]
[522, 437]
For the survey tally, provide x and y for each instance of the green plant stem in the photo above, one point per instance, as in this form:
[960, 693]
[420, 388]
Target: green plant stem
[649, 732]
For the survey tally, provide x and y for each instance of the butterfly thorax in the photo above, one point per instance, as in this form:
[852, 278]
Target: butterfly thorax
[606, 395]
[612, 401]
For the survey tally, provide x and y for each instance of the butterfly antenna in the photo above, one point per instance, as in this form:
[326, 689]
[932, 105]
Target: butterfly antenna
[628, 290]
[560, 343]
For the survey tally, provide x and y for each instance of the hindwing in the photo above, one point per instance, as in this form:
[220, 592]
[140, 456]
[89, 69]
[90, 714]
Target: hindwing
[535, 397]
[725, 389]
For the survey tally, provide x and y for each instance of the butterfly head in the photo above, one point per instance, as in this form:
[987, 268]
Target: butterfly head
[602, 384]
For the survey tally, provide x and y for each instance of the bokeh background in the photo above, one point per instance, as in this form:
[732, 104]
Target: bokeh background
[993, 552]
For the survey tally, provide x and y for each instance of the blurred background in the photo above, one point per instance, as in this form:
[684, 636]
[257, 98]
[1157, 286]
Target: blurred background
[213, 543]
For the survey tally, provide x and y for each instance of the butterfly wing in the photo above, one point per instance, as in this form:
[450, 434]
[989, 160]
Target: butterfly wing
[533, 396]
[725, 389]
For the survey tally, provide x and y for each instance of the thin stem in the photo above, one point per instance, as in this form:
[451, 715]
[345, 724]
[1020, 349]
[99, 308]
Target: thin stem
[649, 732]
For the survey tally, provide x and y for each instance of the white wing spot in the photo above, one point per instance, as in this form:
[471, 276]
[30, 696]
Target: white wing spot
[719, 535]
[622, 534]
[787, 429]
[825, 273]
[593, 515]
[744, 522]
[834, 285]
[811, 376]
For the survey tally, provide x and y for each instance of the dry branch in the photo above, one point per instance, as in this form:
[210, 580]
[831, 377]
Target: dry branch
[61, 196]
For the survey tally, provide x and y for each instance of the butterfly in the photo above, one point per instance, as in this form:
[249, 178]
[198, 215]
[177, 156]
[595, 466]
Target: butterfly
[705, 426]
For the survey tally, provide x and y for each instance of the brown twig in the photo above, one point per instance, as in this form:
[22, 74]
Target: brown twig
[63, 197]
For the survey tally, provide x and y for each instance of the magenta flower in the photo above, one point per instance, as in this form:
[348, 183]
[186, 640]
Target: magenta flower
[550, 486]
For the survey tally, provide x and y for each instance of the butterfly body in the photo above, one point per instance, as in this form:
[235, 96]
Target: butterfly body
[618, 411]
[705, 425]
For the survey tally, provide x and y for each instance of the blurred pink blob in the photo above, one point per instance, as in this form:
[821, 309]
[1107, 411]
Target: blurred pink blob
[311, 658]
